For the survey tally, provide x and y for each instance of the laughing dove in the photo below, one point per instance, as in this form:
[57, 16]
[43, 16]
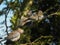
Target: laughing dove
[15, 35]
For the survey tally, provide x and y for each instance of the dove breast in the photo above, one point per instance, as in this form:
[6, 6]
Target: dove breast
[13, 36]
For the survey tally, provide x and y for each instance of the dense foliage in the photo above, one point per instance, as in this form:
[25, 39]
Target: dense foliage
[40, 32]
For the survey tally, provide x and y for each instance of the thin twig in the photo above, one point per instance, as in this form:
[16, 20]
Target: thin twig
[50, 8]
[6, 21]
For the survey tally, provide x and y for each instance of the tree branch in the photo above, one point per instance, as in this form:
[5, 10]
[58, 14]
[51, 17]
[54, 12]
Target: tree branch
[6, 21]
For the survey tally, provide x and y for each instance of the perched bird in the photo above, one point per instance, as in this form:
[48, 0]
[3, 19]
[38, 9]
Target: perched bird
[14, 36]
[28, 20]
[37, 15]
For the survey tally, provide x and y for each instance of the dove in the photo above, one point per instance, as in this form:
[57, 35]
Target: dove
[15, 35]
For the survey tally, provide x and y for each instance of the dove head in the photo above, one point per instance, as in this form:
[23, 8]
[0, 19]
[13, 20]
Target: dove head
[20, 30]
